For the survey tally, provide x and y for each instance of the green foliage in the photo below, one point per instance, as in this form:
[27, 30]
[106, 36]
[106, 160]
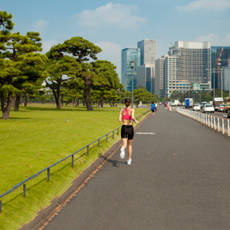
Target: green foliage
[22, 67]
[105, 81]
[82, 51]
[142, 95]
[6, 23]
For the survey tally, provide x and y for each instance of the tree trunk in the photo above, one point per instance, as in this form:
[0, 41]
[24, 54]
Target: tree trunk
[57, 96]
[62, 99]
[26, 99]
[13, 102]
[17, 102]
[6, 109]
[100, 103]
[87, 96]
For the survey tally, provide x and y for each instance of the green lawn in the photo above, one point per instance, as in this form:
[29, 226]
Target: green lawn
[38, 136]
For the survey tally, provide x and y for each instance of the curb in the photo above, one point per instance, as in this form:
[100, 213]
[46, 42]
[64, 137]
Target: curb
[45, 215]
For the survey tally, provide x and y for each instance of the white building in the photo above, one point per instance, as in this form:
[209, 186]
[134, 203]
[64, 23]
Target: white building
[187, 67]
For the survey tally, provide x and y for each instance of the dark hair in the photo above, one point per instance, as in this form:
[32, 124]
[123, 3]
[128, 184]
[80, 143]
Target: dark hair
[127, 100]
[153, 102]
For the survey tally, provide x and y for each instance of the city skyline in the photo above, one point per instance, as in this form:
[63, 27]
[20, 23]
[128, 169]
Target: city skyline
[115, 25]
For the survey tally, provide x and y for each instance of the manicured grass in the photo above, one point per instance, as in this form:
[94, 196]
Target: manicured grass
[38, 136]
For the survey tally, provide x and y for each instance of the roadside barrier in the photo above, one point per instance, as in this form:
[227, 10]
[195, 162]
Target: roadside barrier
[217, 123]
[23, 183]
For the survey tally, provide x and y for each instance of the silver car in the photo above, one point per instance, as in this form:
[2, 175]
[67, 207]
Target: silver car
[208, 108]
[220, 108]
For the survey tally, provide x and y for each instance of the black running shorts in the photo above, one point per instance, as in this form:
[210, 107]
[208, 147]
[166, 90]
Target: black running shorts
[127, 131]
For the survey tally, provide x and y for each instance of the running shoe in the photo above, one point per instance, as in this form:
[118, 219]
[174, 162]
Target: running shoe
[129, 162]
[122, 153]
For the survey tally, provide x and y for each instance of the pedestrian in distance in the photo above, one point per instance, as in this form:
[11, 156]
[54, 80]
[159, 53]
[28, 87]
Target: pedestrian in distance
[153, 107]
[127, 132]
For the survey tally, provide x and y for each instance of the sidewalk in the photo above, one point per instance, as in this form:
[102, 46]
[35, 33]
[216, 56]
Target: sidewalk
[179, 179]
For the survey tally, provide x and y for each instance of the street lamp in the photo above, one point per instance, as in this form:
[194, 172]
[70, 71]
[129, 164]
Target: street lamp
[132, 64]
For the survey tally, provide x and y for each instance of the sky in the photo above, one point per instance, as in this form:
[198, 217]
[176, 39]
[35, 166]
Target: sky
[115, 25]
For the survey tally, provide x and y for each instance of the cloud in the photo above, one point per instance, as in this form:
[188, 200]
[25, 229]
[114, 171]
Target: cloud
[205, 5]
[110, 15]
[46, 45]
[215, 39]
[111, 52]
[40, 25]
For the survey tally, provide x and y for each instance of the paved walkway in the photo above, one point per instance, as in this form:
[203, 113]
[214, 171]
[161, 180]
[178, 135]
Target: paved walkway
[179, 179]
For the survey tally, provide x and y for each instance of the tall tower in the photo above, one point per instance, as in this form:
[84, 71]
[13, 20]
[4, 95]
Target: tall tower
[148, 50]
[146, 70]
[127, 55]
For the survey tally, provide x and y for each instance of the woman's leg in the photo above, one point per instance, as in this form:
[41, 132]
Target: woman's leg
[129, 149]
[124, 143]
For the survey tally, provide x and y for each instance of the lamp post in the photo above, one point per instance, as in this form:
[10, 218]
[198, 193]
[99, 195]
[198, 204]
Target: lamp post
[132, 64]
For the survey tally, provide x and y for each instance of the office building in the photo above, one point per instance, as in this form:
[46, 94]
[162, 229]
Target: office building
[159, 84]
[146, 70]
[145, 76]
[148, 50]
[224, 60]
[187, 67]
[127, 55]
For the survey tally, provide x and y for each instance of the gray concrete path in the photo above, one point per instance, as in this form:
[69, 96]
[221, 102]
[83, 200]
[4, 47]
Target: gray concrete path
[179, 179]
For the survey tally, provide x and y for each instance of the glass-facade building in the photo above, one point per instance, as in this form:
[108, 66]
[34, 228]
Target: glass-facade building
[224, 60]
[127, 55]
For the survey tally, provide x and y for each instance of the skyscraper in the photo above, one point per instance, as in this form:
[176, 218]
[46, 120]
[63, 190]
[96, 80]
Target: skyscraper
[159, 86]
[146, 71]
[224, 61]
[188, 66]
[127, 55]
[148, 50]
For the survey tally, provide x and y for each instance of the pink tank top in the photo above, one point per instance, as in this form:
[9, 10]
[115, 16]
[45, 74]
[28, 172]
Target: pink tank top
[127, 116]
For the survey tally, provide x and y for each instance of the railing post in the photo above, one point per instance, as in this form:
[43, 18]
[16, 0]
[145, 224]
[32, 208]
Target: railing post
[98, 143]
[87, 150]
[72, 161]
[48, 174]
[214, 123]
[223, 131]
[218, 124]
[24, 189]
[106, 137]
[0, 206]
[228, 127]
[113, 134]
[118, 131]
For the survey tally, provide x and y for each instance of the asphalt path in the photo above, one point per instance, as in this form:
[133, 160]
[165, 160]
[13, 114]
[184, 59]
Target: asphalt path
[179, 179]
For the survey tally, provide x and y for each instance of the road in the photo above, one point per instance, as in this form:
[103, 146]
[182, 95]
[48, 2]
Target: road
[217, 114]
[179, 180]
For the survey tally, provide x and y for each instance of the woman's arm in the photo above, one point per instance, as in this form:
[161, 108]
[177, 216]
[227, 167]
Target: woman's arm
[120, 115]
[133, 117]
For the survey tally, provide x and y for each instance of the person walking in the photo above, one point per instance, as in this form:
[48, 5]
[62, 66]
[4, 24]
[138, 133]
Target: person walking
[127, 132]
[153, 107]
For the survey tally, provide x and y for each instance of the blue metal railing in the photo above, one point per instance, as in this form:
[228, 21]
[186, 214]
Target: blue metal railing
[22, 183]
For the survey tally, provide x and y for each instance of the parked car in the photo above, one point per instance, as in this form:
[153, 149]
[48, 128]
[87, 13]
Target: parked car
[228, 112]
[226, 107]
[196, 107]
[208, 108]
[220, 107]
